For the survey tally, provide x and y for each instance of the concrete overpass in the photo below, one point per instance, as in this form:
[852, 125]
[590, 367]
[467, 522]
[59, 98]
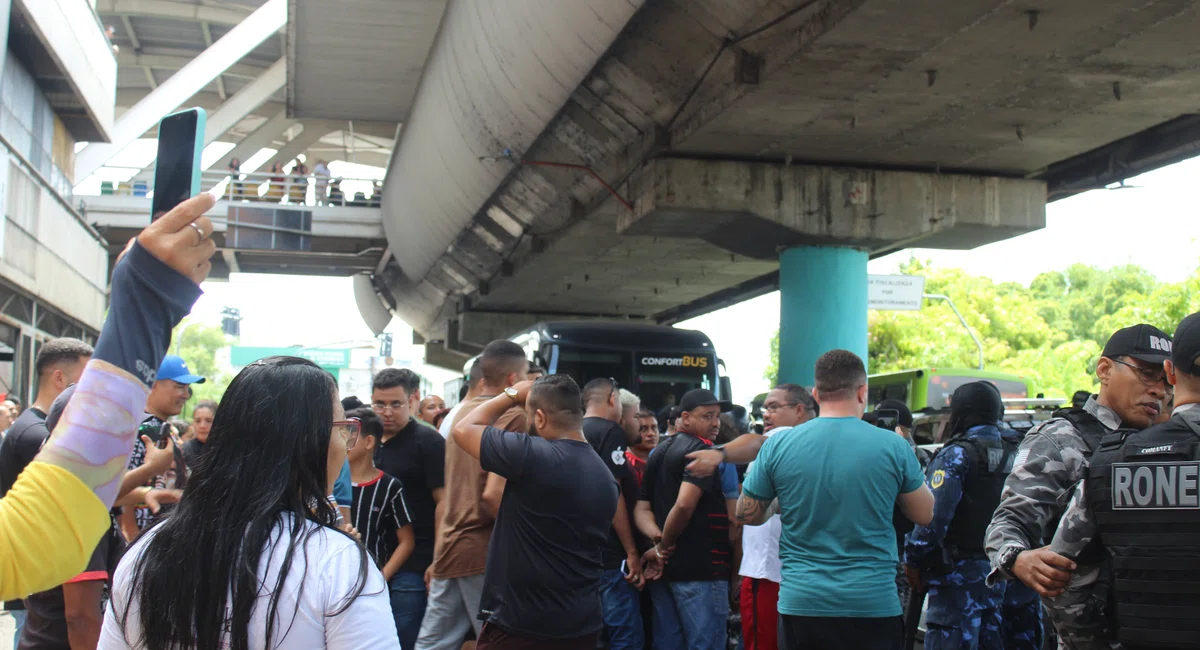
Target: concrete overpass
[621, 158]
[655, 159]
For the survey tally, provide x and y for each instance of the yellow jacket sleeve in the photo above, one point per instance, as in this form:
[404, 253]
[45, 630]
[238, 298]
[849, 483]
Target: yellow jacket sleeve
[50, 522]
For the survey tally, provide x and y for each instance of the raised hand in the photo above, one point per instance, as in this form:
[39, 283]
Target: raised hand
[182, 238]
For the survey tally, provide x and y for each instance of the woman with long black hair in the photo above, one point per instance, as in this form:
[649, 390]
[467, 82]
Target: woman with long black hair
[250, 557]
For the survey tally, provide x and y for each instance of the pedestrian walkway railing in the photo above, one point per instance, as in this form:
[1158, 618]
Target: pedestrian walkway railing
[267, 187]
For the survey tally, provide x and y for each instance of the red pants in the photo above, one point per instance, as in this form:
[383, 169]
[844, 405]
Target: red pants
[760, 616]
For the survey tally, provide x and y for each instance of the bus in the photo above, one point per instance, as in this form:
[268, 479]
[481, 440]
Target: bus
[930, 388]
[656, 362]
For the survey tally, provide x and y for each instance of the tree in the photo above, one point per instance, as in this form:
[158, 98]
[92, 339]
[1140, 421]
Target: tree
[1050, 332]
[198, 344]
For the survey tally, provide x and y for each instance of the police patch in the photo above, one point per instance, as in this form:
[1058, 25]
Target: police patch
[937, 479]
[1156, 486]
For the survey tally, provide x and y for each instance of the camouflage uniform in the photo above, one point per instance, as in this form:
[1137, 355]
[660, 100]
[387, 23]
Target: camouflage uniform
[1052, 460]
[963, 610]
[1078, 613]
[1021, 615]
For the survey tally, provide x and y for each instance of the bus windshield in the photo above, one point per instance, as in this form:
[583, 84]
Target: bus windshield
[663, 378]
[659, 378]
[941, 387]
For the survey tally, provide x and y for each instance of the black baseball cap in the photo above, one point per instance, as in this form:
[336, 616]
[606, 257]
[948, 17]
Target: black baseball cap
[695, 398]
[1142, 342]
[1185, 350]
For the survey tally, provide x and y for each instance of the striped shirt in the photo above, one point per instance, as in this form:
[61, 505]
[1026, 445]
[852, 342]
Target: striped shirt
[379, 511]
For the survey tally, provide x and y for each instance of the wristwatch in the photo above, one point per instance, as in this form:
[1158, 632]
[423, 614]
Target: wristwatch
[512, 393]
[1008, 558]
[724, 454]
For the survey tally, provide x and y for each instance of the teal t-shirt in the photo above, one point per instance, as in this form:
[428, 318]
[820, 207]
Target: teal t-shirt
[837, 480]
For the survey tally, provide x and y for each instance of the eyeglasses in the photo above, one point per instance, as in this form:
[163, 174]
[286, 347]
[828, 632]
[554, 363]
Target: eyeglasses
[349, 430]
[775, 407]
[1148, 376]
[382, 406]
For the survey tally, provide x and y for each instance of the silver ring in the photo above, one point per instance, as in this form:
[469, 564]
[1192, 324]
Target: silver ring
[198, 231]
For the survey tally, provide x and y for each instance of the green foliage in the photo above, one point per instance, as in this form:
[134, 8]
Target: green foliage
[771, 374]
[1050, 332]
[198, 347]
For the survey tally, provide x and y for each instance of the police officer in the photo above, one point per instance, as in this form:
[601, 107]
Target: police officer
[1052, 460]
[1141, 503]
[966, 476]
[1021, 624]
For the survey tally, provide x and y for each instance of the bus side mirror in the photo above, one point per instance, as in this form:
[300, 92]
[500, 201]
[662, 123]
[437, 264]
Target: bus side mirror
[726, 388]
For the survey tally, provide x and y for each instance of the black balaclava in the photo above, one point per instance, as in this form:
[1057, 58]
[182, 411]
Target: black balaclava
[974, 404]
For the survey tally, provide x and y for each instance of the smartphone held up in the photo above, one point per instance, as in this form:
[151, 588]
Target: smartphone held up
[177, 168]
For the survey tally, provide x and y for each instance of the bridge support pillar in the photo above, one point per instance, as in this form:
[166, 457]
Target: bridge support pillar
[822, 306]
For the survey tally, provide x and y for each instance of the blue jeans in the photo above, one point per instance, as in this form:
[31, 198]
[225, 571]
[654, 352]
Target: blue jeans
[408, 606]
[622, 612]
[690, 615]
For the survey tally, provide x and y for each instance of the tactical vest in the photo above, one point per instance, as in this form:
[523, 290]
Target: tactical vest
[1091, 430]
[1144, 492]
[991, 461]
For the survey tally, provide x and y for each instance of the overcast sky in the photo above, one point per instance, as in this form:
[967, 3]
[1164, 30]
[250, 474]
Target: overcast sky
[1154, 223]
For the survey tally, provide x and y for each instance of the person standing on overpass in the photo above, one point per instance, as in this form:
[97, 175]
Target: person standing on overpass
[839, 554]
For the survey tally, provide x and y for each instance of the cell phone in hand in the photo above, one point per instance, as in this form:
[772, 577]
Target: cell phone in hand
[177, 168]
[887, 419]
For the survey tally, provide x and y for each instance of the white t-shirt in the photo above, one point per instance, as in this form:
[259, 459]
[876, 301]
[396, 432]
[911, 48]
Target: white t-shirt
[760, 545]
[448, 421]
[329, 577]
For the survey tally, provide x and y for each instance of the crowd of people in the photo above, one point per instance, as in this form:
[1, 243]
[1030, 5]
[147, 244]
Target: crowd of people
[538, 513]
[291, 186]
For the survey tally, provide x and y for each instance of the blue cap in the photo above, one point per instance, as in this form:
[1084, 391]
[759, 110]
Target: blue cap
[175, 369]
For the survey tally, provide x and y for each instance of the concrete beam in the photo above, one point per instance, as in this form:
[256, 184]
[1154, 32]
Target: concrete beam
[436, 354]
[224, 15]
[313, 131]
[754, 209]
[482, 327]
[180, 59]
[244, 101]
[190, 79]
[208, 41]
[257, 139]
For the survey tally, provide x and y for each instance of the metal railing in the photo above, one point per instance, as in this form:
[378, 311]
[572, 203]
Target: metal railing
[267, 187]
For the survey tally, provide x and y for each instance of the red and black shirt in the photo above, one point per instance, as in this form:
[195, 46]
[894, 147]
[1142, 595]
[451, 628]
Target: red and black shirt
[703, 551]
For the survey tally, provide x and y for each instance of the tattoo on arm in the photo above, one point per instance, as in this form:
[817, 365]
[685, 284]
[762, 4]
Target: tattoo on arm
[753, 512]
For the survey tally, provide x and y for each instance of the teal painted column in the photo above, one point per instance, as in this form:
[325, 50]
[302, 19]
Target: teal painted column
[822, 307]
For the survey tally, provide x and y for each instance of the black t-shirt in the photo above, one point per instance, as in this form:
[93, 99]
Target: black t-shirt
[417, 456]
[379, 512]
[608, 439]
[543, 564]
[46, 619]
[22, 442]
[703, 550]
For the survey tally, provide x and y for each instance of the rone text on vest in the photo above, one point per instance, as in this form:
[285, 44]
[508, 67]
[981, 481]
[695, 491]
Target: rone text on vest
[1156, 486]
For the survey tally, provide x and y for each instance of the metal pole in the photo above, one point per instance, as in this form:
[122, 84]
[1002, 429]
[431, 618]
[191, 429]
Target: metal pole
[938, 296]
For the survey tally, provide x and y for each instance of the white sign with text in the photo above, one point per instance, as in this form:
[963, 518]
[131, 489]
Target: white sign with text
[896, 292]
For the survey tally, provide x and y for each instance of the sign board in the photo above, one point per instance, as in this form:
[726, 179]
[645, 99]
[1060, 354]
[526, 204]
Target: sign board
[895, 292]
[326, 358]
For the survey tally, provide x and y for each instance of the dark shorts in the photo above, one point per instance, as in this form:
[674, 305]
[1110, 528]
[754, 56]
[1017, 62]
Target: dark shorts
[826, 633]
[494, 637]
